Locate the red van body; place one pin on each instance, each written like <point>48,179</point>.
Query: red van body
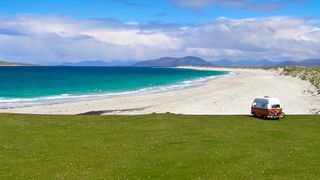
<point>267,108</point>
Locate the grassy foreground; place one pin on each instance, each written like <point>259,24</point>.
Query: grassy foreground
<point>158,146</point>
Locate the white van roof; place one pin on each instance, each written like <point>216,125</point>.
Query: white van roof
<point>267,100</point>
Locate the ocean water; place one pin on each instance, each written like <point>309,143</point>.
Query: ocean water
<point>24,86</point>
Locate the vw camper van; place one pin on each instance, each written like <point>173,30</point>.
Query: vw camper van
<point>267,108</point>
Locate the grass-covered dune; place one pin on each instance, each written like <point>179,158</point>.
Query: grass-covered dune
<point>311,74</point>
<point>158,146</point>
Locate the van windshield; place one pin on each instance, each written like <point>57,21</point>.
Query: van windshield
<point>274,106</point>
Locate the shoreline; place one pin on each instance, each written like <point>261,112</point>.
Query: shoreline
<point>219,96</point>
<point>15,103</point>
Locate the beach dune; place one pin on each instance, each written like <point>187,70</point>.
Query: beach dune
<point>224,95</point>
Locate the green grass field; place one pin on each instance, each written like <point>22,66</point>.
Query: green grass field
<point>161,146</point>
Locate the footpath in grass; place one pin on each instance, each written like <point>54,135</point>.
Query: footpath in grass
<point>158,146</point>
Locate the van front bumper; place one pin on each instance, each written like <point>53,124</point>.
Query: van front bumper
<point>275,116</point>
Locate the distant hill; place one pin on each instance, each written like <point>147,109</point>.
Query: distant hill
<point>307,63</point>
<point>245,63</point>
<point>99,63</point>
<point>192,61</point>
<point>174,62</point>
<point>5,63</point>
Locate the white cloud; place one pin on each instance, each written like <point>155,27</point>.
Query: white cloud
<point>135,37</point>
<point>40,39</point>
<point>256,38</point>
<point>56,38</point>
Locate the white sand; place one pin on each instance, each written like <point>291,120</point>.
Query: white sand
<point>225,95</point>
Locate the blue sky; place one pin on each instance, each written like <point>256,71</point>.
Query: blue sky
<point>40,31</point>
<point>168,11</point>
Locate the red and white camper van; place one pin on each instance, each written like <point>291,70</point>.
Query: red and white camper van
<point>267,108</point>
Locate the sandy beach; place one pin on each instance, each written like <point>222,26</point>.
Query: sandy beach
<point>224,95</point>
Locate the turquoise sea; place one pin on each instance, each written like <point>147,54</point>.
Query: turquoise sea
<point>29,84</point>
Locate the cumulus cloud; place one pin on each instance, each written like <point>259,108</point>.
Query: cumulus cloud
<point>57,38</point>
<point>262,38</point>
<point>41,39</point>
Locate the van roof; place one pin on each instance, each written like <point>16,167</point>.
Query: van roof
<point>267,100</point>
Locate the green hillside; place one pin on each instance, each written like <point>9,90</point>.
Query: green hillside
<point>158,146</point>
<point>4,63</point>
<point>311,74</point>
